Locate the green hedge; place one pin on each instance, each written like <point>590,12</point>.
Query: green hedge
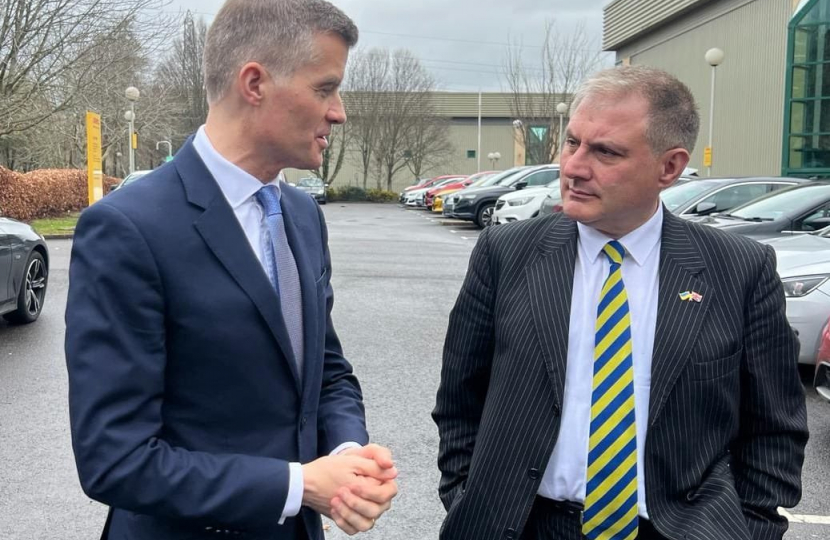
<point>358,194</point>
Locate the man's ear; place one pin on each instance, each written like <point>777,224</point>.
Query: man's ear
<point>250,81</point>
<point>674,161</point>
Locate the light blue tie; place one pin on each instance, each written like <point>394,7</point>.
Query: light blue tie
<point>282,269</point>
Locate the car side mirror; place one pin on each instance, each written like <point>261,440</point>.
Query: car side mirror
<point>705,208</point>
<point>521,185</point>
<point>326,185</point>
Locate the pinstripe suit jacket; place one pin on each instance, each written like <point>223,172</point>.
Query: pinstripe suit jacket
<point>727,418</point>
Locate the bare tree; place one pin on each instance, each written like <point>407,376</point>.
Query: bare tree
<point>565,61</point>
<point>335,153</point>
<point>181,73</point>
<point>428,145</point>
<point>406,105</point>
<point>45,44</point>
<point>365,83</point>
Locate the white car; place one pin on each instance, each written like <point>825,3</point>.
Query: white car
<point>804,267</point>
<point>522,204</point>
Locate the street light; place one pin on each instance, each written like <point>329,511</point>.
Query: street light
<point>132,94</point>
<point>493,157</point>
<point>561,109</point>
<point>169,149</point>
<point>714,57</point>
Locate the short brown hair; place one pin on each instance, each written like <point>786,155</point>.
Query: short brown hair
<point>278,34</point>
<point>673,119</point>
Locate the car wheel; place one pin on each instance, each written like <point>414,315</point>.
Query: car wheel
<point>32,292</point>
<point>484,217</point>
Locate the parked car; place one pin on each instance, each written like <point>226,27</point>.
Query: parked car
<point>130,178</point>
<point>417,197</point>
<point>449,202</point>
<point>478,204</point>
<point>444,192</point>
<point>24,272</point>
<point>799,209</point>
<point>315,187</point>
<point>804,268</point>
<point>707,196</point>
<point>459,184</point>
<point>552,203</point>
<point>423,184</point>
<point>521,205</point>
<point>822,377</point>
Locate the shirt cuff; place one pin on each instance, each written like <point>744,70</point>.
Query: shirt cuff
<point>295,492</point>
<point>345,446</point>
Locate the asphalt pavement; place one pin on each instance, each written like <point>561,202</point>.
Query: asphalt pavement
<point>396,274</point>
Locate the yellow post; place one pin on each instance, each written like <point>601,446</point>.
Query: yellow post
<point>95,174</point>
<point>707,156</point>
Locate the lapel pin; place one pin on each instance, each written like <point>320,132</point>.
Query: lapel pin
<point>691,296</point>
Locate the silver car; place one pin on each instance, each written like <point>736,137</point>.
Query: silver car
<point>804,267</point>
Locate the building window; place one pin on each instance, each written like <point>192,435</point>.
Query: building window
<point>806,149</point>
<point>471,154</point>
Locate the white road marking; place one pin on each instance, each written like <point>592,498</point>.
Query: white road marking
<point>464,238</point>
<point>453,231</point>
<point>800,518</point>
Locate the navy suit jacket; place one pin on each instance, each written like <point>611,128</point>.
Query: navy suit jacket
<point>185,402</point>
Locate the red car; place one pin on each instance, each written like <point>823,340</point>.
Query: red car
<point>461,184</point>
<point>822,381</point>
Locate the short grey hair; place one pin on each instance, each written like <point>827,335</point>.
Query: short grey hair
<point>279,34</point>
<point>673,118</point>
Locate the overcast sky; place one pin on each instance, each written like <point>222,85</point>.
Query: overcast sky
<point>462,42</point>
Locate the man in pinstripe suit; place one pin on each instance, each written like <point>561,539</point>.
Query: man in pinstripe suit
<point>614,372</point>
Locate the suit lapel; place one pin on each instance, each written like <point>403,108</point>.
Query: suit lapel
<point>678,321</point>
<point>224,236</point>
<point>550,280</point>
<point>298,233</point>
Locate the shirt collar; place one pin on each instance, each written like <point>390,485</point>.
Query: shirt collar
<point>237,185</point>
<point>639,243</point>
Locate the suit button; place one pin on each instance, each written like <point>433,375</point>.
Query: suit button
<point>510,534</point>
<point>533,473</point>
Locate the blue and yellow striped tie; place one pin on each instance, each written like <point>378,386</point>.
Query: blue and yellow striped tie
<point>611,491</point>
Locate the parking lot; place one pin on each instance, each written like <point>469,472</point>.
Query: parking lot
<point>396,275</point>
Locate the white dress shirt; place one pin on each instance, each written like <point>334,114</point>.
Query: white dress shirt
<point>239,189</point>
<point>565,475</point>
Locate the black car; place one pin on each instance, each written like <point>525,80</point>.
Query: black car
<point>477,204</point>
<point>313,186</point>
<point>24,272</point>
<point>713,195</point>
<point>799,209</point>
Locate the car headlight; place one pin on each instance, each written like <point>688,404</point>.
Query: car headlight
<point>520,202</point>
<point>467,197</point>
<point>321,192</point>
<point>796,287</point>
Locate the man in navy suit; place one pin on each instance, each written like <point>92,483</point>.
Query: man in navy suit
<point>208,390</point>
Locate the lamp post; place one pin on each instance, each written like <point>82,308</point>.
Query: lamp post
<point>494,157</point>
<point>132,94</point>
<point>561,109</point>
<point>169,149</point>
<point>714,57</point>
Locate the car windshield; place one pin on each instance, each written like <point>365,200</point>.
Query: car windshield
<point>481,180</point>
<point>512,178</point>
<point>310,182</point>
<point>678,195</point>
<point>782,203</point>
<point>498,177</point>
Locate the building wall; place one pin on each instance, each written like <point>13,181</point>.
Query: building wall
<point>749,98</point>
<point>626,18</point>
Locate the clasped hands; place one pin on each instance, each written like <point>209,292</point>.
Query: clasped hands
<point>354,487</point>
